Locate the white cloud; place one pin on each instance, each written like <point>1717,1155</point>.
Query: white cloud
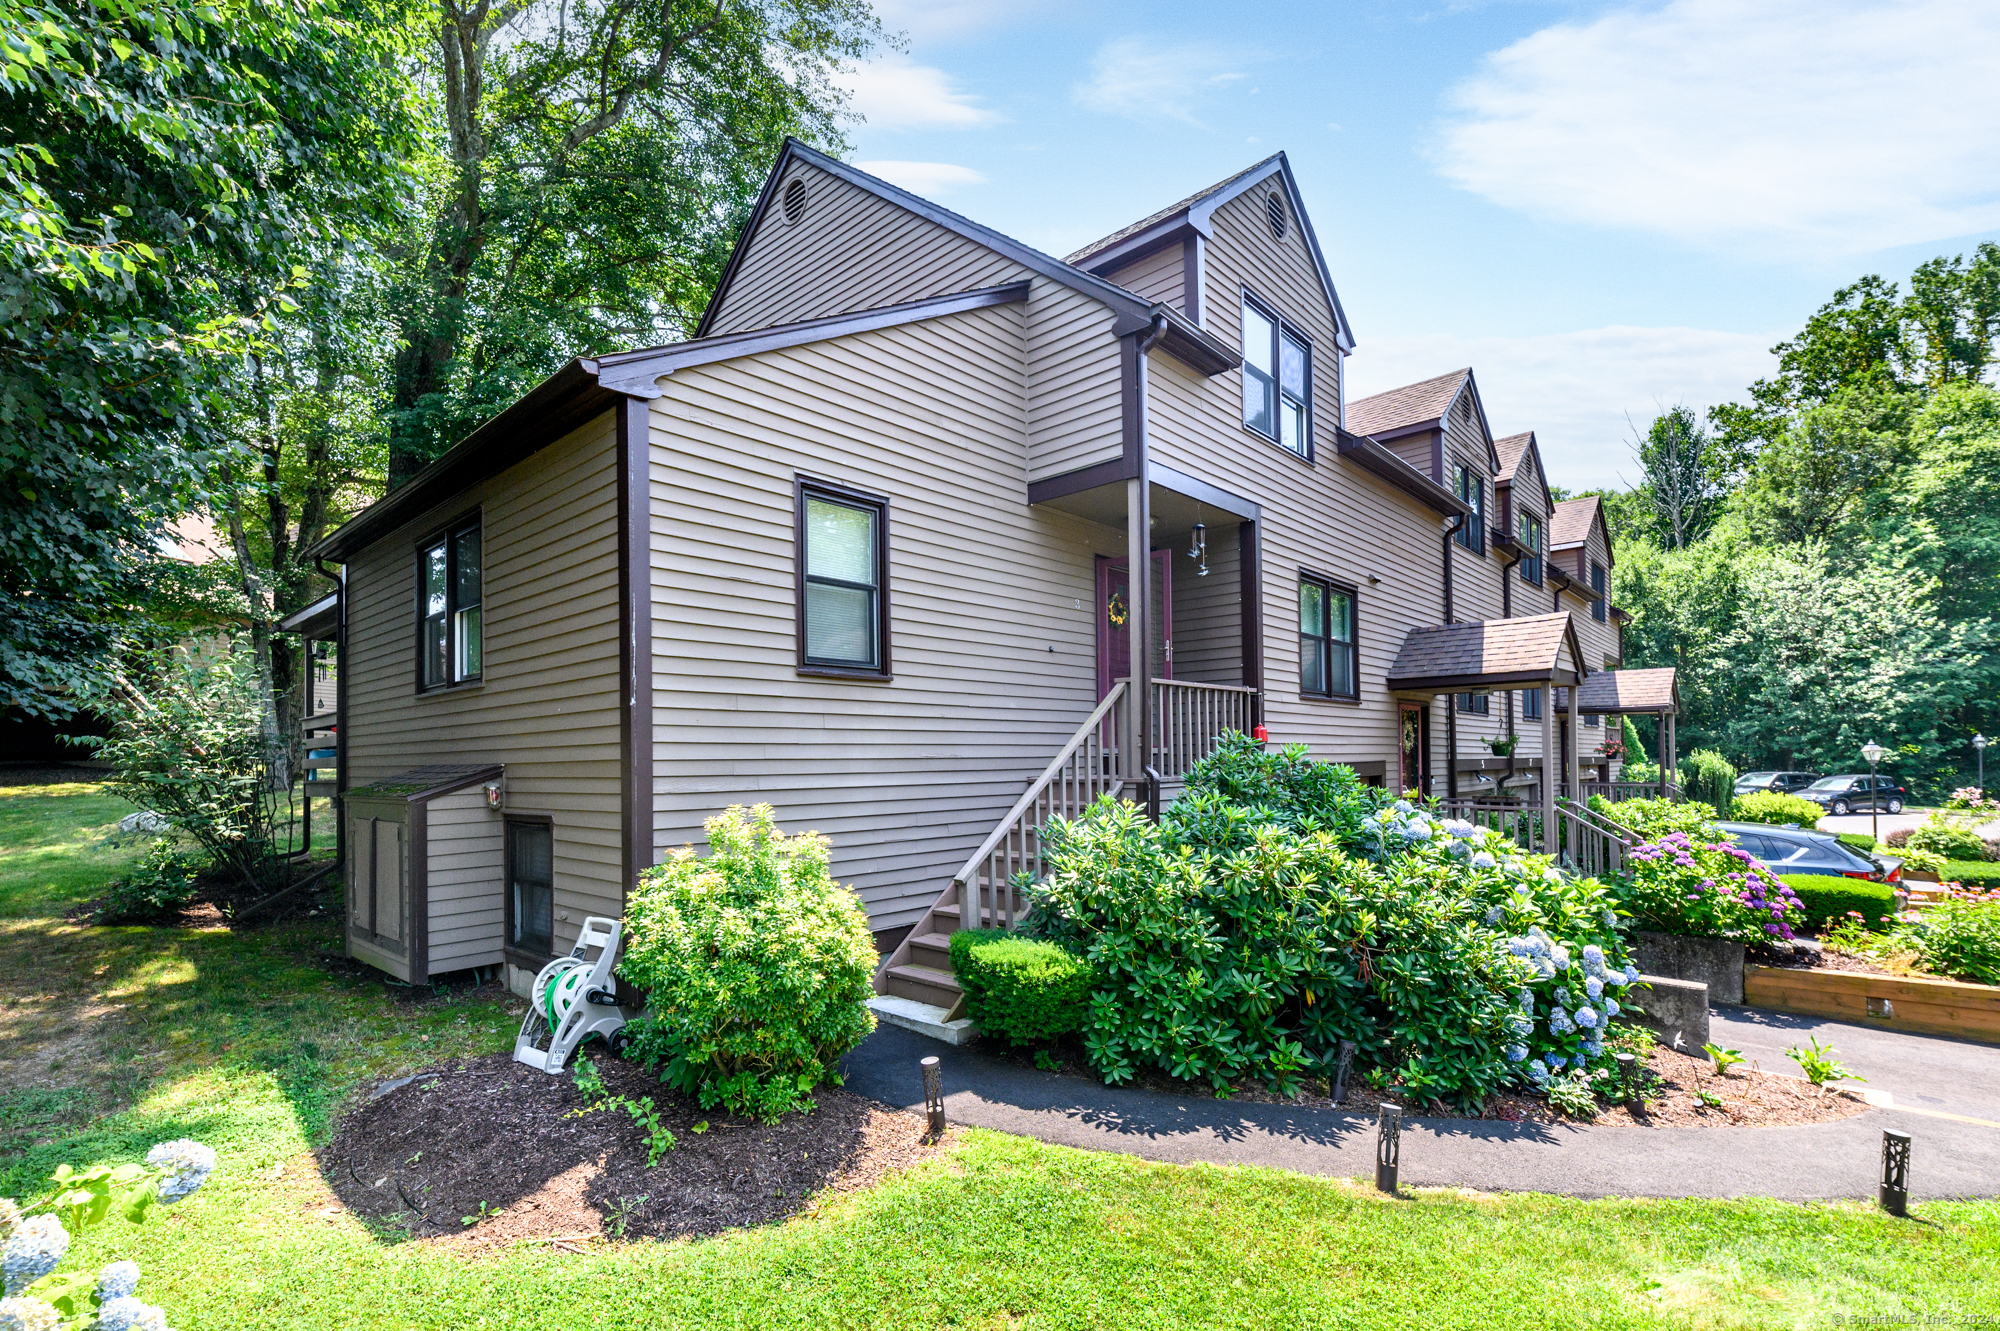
<point>1575,390</point>
<point>932,19</point>
<point>1816,128</point>
<point>1144,78</point>
<point>894,92</point>
<point>926,178</point>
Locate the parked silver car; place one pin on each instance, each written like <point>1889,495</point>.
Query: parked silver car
<point>1803,850</point>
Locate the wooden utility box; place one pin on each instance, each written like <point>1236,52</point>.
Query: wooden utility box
<point>425,868</point>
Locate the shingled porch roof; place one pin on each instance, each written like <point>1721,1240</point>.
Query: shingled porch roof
<point>1488,655</point>
<point>1612,692</point>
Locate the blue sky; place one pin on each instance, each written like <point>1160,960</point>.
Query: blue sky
<point>1601,208</point>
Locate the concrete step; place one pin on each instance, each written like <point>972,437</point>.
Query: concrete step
<point>923,1018</point>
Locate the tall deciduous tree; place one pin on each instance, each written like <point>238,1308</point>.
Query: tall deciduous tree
<point>162,167</point>
<point>598,155</point>
<point>1685,477</point>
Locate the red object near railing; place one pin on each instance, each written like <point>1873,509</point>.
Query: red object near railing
<point>1260,734</point>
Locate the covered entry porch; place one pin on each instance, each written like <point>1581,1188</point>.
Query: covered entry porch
<point>1651,692</point>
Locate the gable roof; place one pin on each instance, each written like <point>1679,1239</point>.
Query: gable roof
<point>1569,526</point>
<point>1511,451</point>
<point>1655,689</point>
<point>1197,212</point>
<point>1447,657</point>
<point>1422,403</point>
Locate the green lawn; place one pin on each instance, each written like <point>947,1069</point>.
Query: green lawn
<point>252,1041</point>
<point>59,846</point>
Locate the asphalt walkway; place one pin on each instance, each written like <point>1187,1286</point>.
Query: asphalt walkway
<point>1832,1160</point>
<point>1926,1072</point>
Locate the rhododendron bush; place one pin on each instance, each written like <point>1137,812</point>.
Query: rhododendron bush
<point>1282,907</point>
<point>1708,889</point>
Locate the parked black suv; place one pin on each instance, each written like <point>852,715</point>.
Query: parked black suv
<point>1785,783</point>
<point>1846,794</point>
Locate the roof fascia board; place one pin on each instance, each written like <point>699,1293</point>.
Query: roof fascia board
<point>1477,683</point>
<point>1161,235</point>
<point>323,607</point>
<point>637,373</point>
<point>1167,478</point>
<point>743,240</point>
<point>1371,456</point>
<point>1195,347</point>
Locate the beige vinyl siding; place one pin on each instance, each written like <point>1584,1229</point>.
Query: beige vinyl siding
<point>548,704</point>
<point>1075,407</point>
<point>1327,516</point>
<point>463,851</point>
<point>1208,618</point>
<point>993,633</point>
<point>1159,277</point>
<point>1420,451</point>
<point>853,250</point>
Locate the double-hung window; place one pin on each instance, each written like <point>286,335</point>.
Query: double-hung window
<point>843,581</point>
<point>449,619</point>
<point>1277,380</point>
<point>1531,704</point>
<point>1599,606</point>
<point>1326,640</point>
<point>1475,703</point>
<point>531,886</point>
<point>1528,531</point>
<point>1470,486</point>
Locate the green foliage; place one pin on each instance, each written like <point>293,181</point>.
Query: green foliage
<point>1724,1059</point>
<point>756,964</point>
<point>190,743</point>
<point>1941,836</point>
<point>1817,1061</point>
<point>1686,477</point>
<point>1283,786</point>
<point>1770,806</point>
<point>1240,942</point>
<point>1960,939</point>
<point>1019,989</point>
<point>159,884</point>
<point>1575,1094</point>
<point>1655,818</point>
<point>1707,889</point>
<point>1860,841</point>
<point>1708,778</point>
<point>1826,898</point>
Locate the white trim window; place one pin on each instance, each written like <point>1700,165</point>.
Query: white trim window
<point>1277,379</point>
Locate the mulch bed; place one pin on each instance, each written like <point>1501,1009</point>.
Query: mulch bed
<point>1751,1098</point>
<point>492,1138</point>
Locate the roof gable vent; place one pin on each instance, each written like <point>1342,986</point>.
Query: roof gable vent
<point>1274,210</point>
<point>795,200</point>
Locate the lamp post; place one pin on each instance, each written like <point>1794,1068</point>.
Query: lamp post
<point>1979,747</point>
<point>1873,753</point>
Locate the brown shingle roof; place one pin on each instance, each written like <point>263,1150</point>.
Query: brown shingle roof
<point>1453,654</point>
<point>1411,404</point>
<point>1629,691</point>
<point>1571,524</point>
<point>1162,215</point>
<point>1511,450</point>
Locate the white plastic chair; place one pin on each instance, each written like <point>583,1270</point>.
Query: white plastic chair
<point>574,998</point>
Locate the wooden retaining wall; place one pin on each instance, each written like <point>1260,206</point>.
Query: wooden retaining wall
<point>1898,1002</point>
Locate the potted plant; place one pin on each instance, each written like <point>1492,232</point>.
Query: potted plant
<point>1503,745</point>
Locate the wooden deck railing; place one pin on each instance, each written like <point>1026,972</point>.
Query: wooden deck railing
<point>1086,768</point>
<point>1587,842</point>
<point>1632,790</point>
<point>1189,719</point>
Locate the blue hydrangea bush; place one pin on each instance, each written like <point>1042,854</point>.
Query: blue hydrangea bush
<point>1282,907</point>
<point>35,1238</point>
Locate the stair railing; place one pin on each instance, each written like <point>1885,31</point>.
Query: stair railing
<point>1086,768</point>
<point>1189,719</point>
<point>1591,843</point>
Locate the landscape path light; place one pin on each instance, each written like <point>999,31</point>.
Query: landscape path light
<point>1979,747</point>
<point>1340,1071</point>
<point>1626,1081</point>
<point>934,1095</point>
<point>1894,1192</point>
<point>1873,753</point>
<point>1388,1146</point>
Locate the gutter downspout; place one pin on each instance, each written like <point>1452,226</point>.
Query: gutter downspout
<point>339,581</point>
<point>1507,612</point>
<point>1139,575</point>
<point>1451,702</point>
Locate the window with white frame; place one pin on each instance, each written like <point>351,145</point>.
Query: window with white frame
<point>1277,379</point>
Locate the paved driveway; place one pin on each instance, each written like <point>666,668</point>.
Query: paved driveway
<point>1861,822</point>
<point>1920,1071</point>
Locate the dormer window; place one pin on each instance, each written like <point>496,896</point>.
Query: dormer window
<point>1470,486</point>
<point>1528,531</point>
<point>1277,379</point>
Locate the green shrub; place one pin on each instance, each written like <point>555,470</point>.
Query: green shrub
<point>1707,889</point>
<point>1959,939</point>
<point>1981,872</point>
<point>1020,989</point>
<point>1827,899</point>
<point>1769,806</point>
<point>1860,841</point>
<point>1654,818</point>
<point>162,882</point>
<point>1286,787</point>
<point>1709,777</point>
<point>1948,839</point>
<point>757,967</point>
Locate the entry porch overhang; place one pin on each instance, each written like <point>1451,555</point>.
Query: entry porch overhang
<point>1486,656</point>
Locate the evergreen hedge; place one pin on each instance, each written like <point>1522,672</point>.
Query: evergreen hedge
<point>1018,989</point>
<point>1827,898</point>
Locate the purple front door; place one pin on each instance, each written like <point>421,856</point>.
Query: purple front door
<point>1114,611</point>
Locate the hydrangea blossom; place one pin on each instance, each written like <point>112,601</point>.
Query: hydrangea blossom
<point>33,1250</point>
<point>1594,987</point>
<point>31,1315</point>
<point>1609,919</point>
<point>1526,998</point>
<point>1586,1018</point>
<point>1554,1060</point>
<point>1611,1008</point>
<point>1483,860</point>
<point>129,1314</point>
<point>1559,1023</point>
<point>187,1164</point>
<point>1560,956</point>
<point>1578,1060</point>
<point>117,1281</point>
<point>1516,1053</point>
<point>1492,915</point>
<point>1552,874</point>
<point>1631,973</point>
<point>1562,994</point>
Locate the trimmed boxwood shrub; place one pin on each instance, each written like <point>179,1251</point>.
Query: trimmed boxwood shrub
<point>1827,898</point>
<point>1775,808</point>
<point>1960,939</point>
<point>757,967</point>
<point>1017,989</point>
<point>1970,871</point>
<point>1860,841</point>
